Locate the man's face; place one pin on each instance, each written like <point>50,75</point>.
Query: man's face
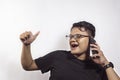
<point>78,45</point>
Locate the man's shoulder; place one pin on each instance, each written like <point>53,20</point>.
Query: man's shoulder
<point>59,53</point>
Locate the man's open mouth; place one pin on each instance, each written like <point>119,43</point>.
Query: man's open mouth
<point>74,45</point>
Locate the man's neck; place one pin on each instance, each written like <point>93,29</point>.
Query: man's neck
<point>81,56</point>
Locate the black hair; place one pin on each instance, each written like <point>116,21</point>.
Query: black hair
<point>88,26</point>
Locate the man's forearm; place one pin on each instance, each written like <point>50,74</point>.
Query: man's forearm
<point>111,74</point>
<point>26,58</point>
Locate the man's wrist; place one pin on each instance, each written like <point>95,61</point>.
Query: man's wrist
<point>26,44</point>
<point>105,63</point>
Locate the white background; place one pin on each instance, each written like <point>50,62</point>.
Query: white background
<point>53,18</point>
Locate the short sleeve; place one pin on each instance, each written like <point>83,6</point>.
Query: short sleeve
<point>45,63</point>
<point>104,75</point>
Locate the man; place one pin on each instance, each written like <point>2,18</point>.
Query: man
<point>76,64</point>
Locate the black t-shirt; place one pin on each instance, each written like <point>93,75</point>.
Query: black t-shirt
<point>64,66</point>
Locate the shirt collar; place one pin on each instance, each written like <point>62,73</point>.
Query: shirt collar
<point>71,56</point>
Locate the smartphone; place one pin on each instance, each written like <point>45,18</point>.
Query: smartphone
<point>92,41</point>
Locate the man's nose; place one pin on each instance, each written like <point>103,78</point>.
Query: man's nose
<point>72,39</point>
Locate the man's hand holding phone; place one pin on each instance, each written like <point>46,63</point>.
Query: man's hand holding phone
<point>97,55</point>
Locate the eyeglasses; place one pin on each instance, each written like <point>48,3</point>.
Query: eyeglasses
<point>76,36</point>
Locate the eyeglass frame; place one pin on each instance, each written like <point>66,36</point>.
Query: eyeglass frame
<point>76,36</point>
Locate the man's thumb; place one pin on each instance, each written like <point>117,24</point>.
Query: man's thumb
<point>37,33</point>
